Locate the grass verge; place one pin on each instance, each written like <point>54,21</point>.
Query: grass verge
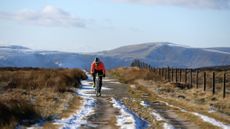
<point>149,87</point>
<point>29,95</point>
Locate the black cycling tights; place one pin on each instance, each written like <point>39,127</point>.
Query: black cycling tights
<point>100,77</point>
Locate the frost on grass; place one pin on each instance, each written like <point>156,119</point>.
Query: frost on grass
<point>128,119</point>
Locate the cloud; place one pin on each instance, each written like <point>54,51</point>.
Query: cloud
<point>48,16</point>
<point>211,4</point>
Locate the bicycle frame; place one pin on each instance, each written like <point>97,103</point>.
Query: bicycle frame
<point>97,84</point>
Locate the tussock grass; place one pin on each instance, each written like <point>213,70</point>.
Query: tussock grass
<point>40,78</point>
<point>129,75</point>
<point>178,94</point>
<point>31,94</point>
<point>73,106</point>
<point>17,110</point>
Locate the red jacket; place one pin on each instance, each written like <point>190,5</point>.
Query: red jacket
<point>100,66</point>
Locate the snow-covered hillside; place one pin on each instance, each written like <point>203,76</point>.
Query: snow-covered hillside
<point>157,54</point>
<point>170,54</point>
<point>17,56</point>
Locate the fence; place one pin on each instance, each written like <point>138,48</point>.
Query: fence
<point>208,79</point>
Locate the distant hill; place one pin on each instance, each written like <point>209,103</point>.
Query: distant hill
<point>170,54</point>
<point>16,56</point>
<point>157,54</point>
<point>224,49</point>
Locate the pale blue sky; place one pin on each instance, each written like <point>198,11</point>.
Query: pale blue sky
<point>94,25</point>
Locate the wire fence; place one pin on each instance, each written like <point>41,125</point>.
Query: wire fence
<point>215,80</point>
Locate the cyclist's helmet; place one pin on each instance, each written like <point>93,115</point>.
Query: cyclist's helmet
<point>97,60</point>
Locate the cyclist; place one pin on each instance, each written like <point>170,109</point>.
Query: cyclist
<point>97,67</point>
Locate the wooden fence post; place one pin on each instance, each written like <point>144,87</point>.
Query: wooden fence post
<point>224,89</point>
<point>162,73</point>
<point>185,76</point>
<point>197,79</point>
<point>172,74</point>
<point>213,83</point>
<point>165,74</point>
<point>168,74</point>
<point>180,75</point>
<point>204,81</point>
<point>176,75</point>
<point>191,77</point>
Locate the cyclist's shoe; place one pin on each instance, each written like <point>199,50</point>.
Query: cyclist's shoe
<point>99,94</point>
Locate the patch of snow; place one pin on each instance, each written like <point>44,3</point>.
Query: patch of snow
<point>178,45</point>
<point>166,124</point>
<point>90,78</point>
<point>211,111</point>
<point>215,51</point>
<point>79,118</point>
<point>58,63</point>
<point>145,104</point>
<point>212,121</point>
<point>109,80</point>
<point>105,88</point>
<point>115,82</point>
<point>12,47</point>
<point>133,86</point>
<point>157,116</point>
<point>128,119</point>
<point>203,117</point>
<point>85,83</point>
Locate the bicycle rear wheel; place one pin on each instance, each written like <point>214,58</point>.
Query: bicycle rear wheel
<point>97,86</point>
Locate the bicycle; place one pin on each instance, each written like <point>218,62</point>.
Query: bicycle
<point>98,86</point>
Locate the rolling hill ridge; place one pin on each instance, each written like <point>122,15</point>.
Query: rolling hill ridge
<point>159,54</point>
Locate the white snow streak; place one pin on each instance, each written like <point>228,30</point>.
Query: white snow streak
<point>79,118</point>
<point>212,121</point>
<point>127,119</point>
<point>203,117</point>
<point>166,124</point>
<point>158,117</point>
<point>144,104</point>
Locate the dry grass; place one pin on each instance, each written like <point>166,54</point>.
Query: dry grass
<point>40,78</point>
<point>31,94</point>
<point>197,120</point>
<point>73,106</point>
<point>177,94</point>
<point>129,75</point>
<point>133,103</point>
<point>50,126</point>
